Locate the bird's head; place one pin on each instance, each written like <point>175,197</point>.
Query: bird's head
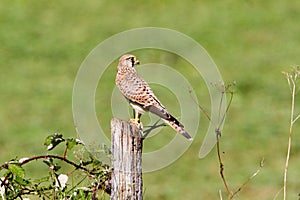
<point>128,60</point>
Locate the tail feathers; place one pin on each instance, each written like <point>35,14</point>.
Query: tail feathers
<point>179,128</point>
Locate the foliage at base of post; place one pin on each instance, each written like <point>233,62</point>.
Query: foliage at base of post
<point>83,177</point>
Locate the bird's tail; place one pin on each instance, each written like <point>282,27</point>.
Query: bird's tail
<point>177,126</point>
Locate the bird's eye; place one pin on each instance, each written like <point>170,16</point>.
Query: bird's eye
<point>133,59</point>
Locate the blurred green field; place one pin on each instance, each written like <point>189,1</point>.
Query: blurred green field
<point>43,44</point>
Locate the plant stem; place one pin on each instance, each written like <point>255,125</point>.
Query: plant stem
<point>222,165</point>
<point>293,91</point>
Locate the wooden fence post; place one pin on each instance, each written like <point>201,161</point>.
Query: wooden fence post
<point>126,148</point>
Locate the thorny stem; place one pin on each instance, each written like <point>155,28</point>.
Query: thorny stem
<point>225,89</point>
<point>19,189</point>
<point>221,164</point>
<point>5,166</point>
<point>56,157</point>
<point>65,153</point>
<point>46,157</point>
<point>218,135</point>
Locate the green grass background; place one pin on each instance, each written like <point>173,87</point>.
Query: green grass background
<point>43,44</point>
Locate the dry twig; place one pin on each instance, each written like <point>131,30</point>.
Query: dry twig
<point>292,78</point>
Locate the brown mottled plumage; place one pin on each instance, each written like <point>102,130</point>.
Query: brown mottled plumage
<point>140,95</point>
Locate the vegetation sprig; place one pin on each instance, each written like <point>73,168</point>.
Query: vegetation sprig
<point>87,177</point>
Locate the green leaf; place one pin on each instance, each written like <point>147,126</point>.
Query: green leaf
<point>85,163</point>
<point>56,167</point>
<point>48,162</point>
<point>53,140</point>
<point>17,170</point>
<point>42,180</point>
<point>22,181</point>
<point>71,143</point>
<point>47,141</point>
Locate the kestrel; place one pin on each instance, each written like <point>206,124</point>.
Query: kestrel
<point>140,96</point>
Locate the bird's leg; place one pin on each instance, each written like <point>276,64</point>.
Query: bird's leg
<point>136,119</point>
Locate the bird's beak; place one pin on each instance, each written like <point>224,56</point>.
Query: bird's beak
<point>136,62</point>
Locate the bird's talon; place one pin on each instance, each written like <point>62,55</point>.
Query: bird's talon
<point>133,121</point>
<point>139,124</point>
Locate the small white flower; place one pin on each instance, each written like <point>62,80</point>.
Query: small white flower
<point>2,189</point>
<point>84,188</point>
<point>79,141</point>
<point>50,146</point>
<point>61,181</point>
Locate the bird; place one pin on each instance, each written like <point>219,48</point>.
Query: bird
<point>140,96</point>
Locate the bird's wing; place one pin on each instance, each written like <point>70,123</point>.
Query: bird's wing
<point>138,91</point>
<point>153,105</point>
<point>142,95</point>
